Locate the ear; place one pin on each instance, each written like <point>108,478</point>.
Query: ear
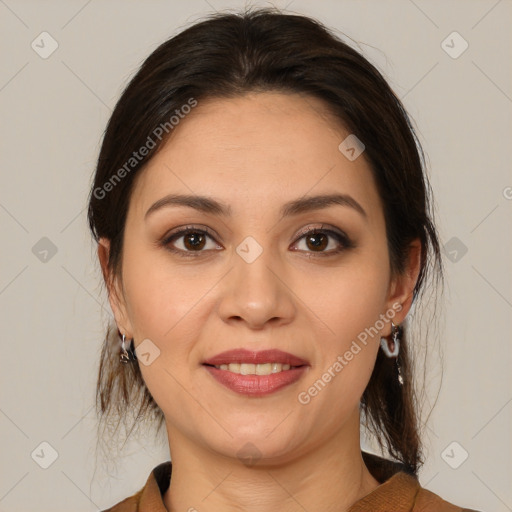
<point>114,290</point>
<point>402,286</point>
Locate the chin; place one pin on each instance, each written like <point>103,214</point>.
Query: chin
<point>260,449</point>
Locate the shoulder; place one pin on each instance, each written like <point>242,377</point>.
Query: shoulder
<point>130,504</point>
<point>401,489</point>
<point>149,498</point>
<point>427,501</point>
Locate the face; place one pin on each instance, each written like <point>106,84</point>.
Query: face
<point>252,278</point>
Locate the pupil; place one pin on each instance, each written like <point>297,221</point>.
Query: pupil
<point>318,244</point>
<point>194,244</point>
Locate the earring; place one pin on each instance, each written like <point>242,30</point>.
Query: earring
<point>127,356</point>
<point>394,349</point>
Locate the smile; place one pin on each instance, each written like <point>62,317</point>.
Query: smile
<point>254,369</point>
<point>256,373</point>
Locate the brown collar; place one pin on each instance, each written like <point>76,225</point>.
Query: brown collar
<point>397,491</point>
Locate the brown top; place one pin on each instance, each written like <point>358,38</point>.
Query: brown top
<point>399,492</point>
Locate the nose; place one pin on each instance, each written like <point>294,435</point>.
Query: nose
<point>256,292</point>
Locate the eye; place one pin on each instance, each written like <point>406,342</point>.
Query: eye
<point>317,240</point>
<point>194,240</point>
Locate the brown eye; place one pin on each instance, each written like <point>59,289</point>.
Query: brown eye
<point>189,242</point>
<point>317,241</point>
<point>194,241</point>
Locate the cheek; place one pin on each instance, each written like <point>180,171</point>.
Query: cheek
<point>350,306</point>
<point>163,306</point>
<point>348,299</point>
<point>158,295</point>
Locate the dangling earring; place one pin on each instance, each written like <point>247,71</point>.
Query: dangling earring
<point>394,350</point>
<point>127,356</point>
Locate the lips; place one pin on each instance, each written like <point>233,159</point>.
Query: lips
<point>257,385</point>
<point>255,357</point>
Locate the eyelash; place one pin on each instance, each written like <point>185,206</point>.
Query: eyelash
<point>341,238</point>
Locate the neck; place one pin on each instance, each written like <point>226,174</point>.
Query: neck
<point>330,477</point>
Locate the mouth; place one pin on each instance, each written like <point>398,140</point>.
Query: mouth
<point>256,373</point>
<point>254,369</point>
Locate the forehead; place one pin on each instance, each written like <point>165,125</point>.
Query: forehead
<point>259,149</point>
<point>269,124</point>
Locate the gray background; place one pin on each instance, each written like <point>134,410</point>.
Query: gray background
<point>54,309</point>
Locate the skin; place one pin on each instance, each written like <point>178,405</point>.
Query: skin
<point>254,153</point>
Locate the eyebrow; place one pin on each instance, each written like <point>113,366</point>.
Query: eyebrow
<point>295,207</point>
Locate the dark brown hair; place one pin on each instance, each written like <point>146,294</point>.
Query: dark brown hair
<point>229,55</point>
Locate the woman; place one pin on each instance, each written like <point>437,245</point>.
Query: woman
<point>264,227</point>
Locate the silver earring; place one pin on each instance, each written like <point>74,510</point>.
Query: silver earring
<point>127,356</point>
<point>394,350</point>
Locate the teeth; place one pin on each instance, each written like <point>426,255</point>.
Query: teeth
<point>254,369</point>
